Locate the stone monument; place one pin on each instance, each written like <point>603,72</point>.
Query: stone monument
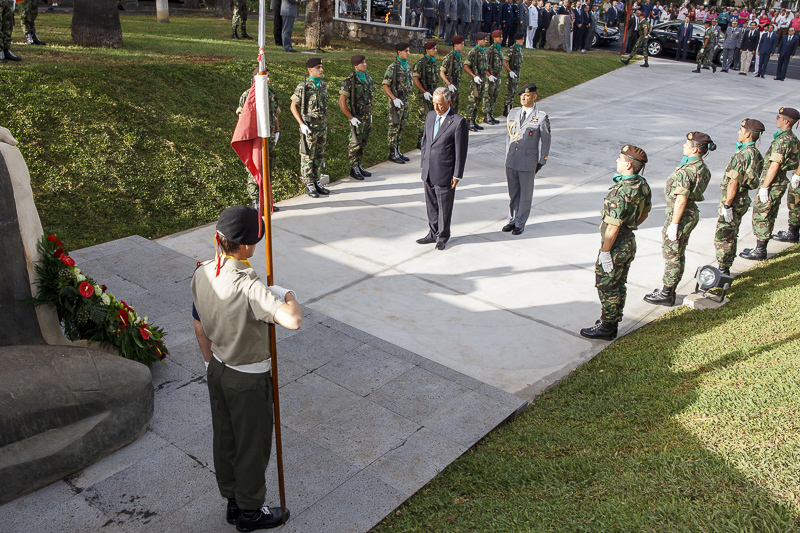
<point>559,34</point>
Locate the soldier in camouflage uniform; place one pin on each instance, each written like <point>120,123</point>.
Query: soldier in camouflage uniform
<point>397,86</point>
<point>6,27</point>
<point>310,109</point>
<point>706,53</point>
<point>240,19</point>
<point>29,9</point>
<point>781,157</point>
<point>741,176</point>
<point>793,203</point>
<point>684,188</point>
<point>625,208</point>
<point>641,42</point>
<point>424,78</point>
<point>494,64</point>
<point>355,101</point>
<point>512,63</point>
<point>451,69</point>
<point>476,67</point>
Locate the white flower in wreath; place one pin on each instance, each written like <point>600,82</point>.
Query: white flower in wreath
<point>105,299</point>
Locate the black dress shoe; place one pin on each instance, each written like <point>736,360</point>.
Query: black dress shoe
<point>508,227</point>
<point>252,520</point>
<point>517,231</point>
<point>312,191</point>
<point>356,173</point>
<point>402,155</point>
<point>664,296</point>
<point>441,245</point>
<point>320,189</point>
<point>275,208</point>
<point>364,172</point>
<point>394,158</point>
<point>232,513</point>
<point>427,239</point>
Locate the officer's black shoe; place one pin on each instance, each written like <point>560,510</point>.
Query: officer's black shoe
<point>233,511</point>
<point>394,158</point>
<point>697,70</point>
<point>713,69</point>
<point>472,126</point>
<point>364,172</point>
<point>725,270</point>
<point>11,56</point>
<point>793,235</point>
<point>759,253</point>
<point>441,245</point>
<point>356,173</point>
<point>38,41</point>
<point>245,36</point>
<point>601,330</point>
<point>312,191</point>
<point>664,296</point>
<point>320,189</point>
<point>402,155</point>
<point>427,239</point>
<point>480,128</point>
<point>264,518</point>
<point>29,38</point>
<point>517,231</point>
<point>235,35</point>
<point>508,227</point>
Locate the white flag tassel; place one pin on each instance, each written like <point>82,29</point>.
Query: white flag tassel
<point>262,107</point>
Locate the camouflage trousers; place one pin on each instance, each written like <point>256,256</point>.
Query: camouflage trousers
<point>240,15</point>
<point>252,186</point>
<point>397,121</point>
<point>702,58</point>
<point>312,154</point>
<point>477,94</point>
<point>674,252</point>
<point>422,113</point>
<point>640,47</point>
<point>492,92</point>
<point>29,10</point>
<point>359,135</point>
<point>512,88</point>
<point>793,203</point>
<point>6,21</point>
<point>728,232</point>
<point>611,286</point>
<point>454,98</point>
<point>764,214</point>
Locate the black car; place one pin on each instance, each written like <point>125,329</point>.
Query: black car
<point>604,34</point>
<point>663,40</point>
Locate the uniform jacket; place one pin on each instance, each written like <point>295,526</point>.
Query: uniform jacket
<point>497,13</point>
<point>625,204</point>
<point>744,167</point>
<point>288,8</point>
<point>524,17</point>
<point>464,11</point>
<point>733,38</point>
<point>783,150</point>
<point>486,14</point>
<point>524,153</point>
<point>788,45</point>
<point>533,17</point>
<point>507,15</point>
<point>750,40</point>
<point>477,11</point>
<point>689,180</point>
<point>441,7</point>
<point>451,9</point>
<point>768,42</point>
<point>443,158</point>
<point>429,8</point>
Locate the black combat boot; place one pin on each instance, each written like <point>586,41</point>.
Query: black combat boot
<point>480,128</point>
<point>356,173</point>
<point>394,158</point>
<point>697,70</point>
<point>664,296</point>
<point>494,120</point>
<point>402,155</point>
<point>38,41</point>
<point>506,110</point>
<point>487,119</point>
<point>244,35</point>
<point>29,38</point>
<point>601,330</point>
<point>725,270</point>
<point>235,34</point>
<point>472,126</point>
<point>626,61</point>
<point>311,190</point>
<point>759,253</point>
<point>10,56</point>
<point>792,235</point>
<point>232,513</point>
<point>321,189</point>
<point>645,64</point>
<point>364,172</point>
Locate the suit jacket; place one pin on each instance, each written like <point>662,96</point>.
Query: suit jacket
<point>768,42</point>
<point>523,154</point>
<point>612,16</point>
<point>578,19</point>
<point>750,40</point>
<point>733,38</point>
<point>682,29</point>
<point>544,19</point>
<point>497,14</point>
<point>487,12</point>
<point>477,12</point>
<point>788,45</point>
<point>289,8</point>
<point>444,157</point>
<point>508,17</point>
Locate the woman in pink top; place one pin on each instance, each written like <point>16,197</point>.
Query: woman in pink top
<point>796,22</point>
<point>744,17</point>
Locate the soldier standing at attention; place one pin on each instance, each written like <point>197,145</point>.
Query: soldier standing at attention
<point>424,78</point>
<point>475,66</point>
<point>781,157</point>
<point>397,86</point>
<point>684,188</point>
<point>29,12</point>
<point>355,101</point>
<point>512,63</point>
<point>741,176</point>
<point>706,53</point>
<point>625,209</point>
<point>641,42</point>
<point>793,202</point>
<point>240,19</point>
<point>6,28</point>
<point>450,71</point>
<point>494,64</point>
<point>310,109</point>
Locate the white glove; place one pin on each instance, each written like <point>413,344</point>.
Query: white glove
<point>763,195</point>
<point>701,50</point>
<point>795,181</point>
<point>397,103</point>
<point>355,122</point>
<point>606,262</point>
<point>477,79</point>
<point>451,88</point>
<point>280,292</point>
<point>727,213</point>
<point>492,79</point>
<point>672,232</point>
<point>305,130</point>
<point>427,96</point>
<point>512,74</point>
<point>277,134</point>
<point>206,365</point>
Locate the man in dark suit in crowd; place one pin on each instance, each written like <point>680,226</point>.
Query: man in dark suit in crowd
<point>497,15</point>
<point>508,21</point>
<point>277,25</point>
<point>748,47</point>
<point>684,38</point>
<point>786,51</point>
<point>544,22</point>
<point>633,31</point>
<point>444,154</point>
<point>612,15</point>
<point>766,48</point>
<point>486,13</point>
<point>578,28</point>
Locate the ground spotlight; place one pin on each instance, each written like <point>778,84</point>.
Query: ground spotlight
<point>708,278</point>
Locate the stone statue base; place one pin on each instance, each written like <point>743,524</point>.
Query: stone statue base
<point>559,34</point>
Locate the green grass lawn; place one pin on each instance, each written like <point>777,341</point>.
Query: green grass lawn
<point>137,140</point>
<point>687,424</point>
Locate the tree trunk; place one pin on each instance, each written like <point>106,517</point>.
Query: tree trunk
<point>95,23</point>
<point>224,9</point>
<point>319,31</point>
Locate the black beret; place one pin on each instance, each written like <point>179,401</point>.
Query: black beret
<point>480,36</point>
<point>699,137</point>
<point>527,88</point>
<point>357,59</point>
<point>240,224</point>
<point>518,36</point>
<point>457,39</point>
<point>401,46</point>
<point>753,125</point>
<point>634,152</point>
<point>313,62</point>
<point>430,45</point>
<point>790,112</point>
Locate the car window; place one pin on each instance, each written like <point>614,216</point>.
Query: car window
<point>669,28</point>
<point>698,31</point>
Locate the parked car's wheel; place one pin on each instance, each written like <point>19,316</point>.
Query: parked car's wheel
<point>655,48</point>
<point>595,41</point>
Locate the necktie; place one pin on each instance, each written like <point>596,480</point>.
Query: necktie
<point>436,126</point>
<point>522,120</point>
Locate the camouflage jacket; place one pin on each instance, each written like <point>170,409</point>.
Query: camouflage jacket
<point>709,34</point>
<point>398,79</point>
<point>313,102</point>
<point>514,57</point>
<point>476,59</point>
<point>494,60</point>
<point>689,180</point>
<point>274,108</point>
<point>644,28</point>
<point>784,151</point>
<point>359,95</point>
<point>452,66</point>
<point>745,167</point>
<point>426,70</point>
<point>625,204</point>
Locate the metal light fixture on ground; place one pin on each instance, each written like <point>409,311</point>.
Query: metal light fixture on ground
<point>708,278</point>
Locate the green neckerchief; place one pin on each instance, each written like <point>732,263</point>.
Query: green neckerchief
<point>619,177</point>
<point>481,48</point>
<point>777,133</point>
<point>315,81</point>
<point>740,145</point>
<point>361,76</point>
<point>497,45</point>
<point>458,55</point>
<point>432,59</point>
<point>685,159</point>
<point>403,62</point>
<point>519,48</point>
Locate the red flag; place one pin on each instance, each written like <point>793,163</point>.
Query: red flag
<point>247,144</point>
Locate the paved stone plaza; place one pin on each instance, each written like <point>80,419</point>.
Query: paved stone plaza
<point>408,355</point>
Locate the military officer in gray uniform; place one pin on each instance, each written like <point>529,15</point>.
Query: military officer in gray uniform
<point>477,19</point>
<point>528,127</point>
<point>451,13</point>
<point>429,17</point>
<point>464,17</point>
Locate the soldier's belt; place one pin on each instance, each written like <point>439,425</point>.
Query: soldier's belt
<point>314,120</point>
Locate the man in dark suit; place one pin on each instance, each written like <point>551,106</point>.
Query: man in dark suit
<point>578,28</point>
<point>766,48</point>
<point>612,16</point>
<point>497,15</point>
<point>486,13</point>
<point>684,38</point>
<point>786,51</point>
<point>748,47</point>
<point>444,153</point>
<point>545,15</point>
<point>633,31</point>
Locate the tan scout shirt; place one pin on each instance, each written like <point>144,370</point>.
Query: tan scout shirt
<point>234,309</point>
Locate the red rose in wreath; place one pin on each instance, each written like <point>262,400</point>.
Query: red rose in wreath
<point>59,252</point>
<point>86,289</point>
<point>67,260</point>
<point>54,239</point>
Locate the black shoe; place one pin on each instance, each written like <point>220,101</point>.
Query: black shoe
<point>38,41</point>
<point>494,120</point>
<point>723,70</point>
<point>625,61</point>
<point>235,35</point>
<point>245,36</point>
<point>11,56</point>
<point>480,128</point>
<point>312,191</point>
<point>697,70</point>
<point>508,227</point>
<point>645,65</point>
<point>264,518</point>
<point>364,172</point>
<point>402,155</point>
<point>725,270</point>
<point>472,126</point>
<point>427,239</point>
<point>419,144</point>
<point>517,231</point>
<point>120,7</point>
<point>601,330</point>
<point>290,50</point>
<point>29,38</point>
<point>506,110</point>
<point>356,173</point>
<point>759,253</point>
<point>664,296</point>
<point>441,245</point>
<point>394,158</point>
<point>487,119</point>
<point>320,189</point>
<point>275,208</point>
<point>233,511</point>
<point>713,69</point>
<point>792,235</point>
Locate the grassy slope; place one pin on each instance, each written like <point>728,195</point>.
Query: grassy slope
<point>688,424</point>
<point>136,140</point>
